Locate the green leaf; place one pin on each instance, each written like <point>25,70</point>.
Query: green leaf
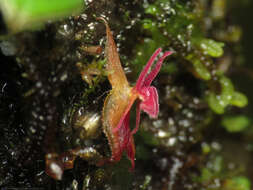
<point>211,47</point>
<point>152,9</point>
<point>215,104</point>
<point>201,70</point>
<point>147,24</point>
<point>206,175</point>
<point>227,90</point>
<point>29,14</point>
<point>235,123</point>
<point>199,67</point>
<point>237,183</point>
<point>239,99</point>
<point>218,102</point>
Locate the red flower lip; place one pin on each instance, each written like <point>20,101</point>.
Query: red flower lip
<point>147,94</point>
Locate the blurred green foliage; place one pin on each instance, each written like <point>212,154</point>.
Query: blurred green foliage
<point>236,123</point>
<point>237,183</point>
<point>211,47</point>
<point>215,176</point>
<point>227,96</point>
<point>29,14</point>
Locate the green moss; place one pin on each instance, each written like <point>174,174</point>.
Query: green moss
<point>239,99</point>
<point>237,183</point>
<point>211,47</point>
<point>184,28</point>
<point>205,148</point>
<point>216,171</point>
<point>235,123</point>
<point>96,80</point>
<point>146,182</point>
<point>200,69</point>
<point>227,91</point>
<point>212,171</point>
<point>152,9</point>
<point>215,104</point>
<point>227,96</point>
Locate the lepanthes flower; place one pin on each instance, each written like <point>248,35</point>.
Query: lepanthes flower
<point>117,105</point>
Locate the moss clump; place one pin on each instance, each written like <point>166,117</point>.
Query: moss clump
<point>227,96</point>
<point>236,123</point>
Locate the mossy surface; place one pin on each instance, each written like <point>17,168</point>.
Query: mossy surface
<point>202,138</point>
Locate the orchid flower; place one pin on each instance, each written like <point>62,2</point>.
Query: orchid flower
<point>117,105</point>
